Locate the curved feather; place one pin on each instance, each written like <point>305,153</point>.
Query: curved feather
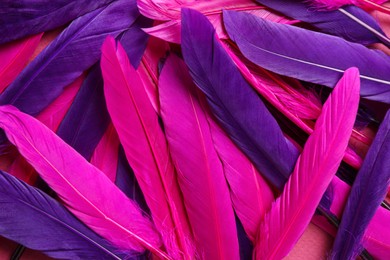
<point>367,193</point>
<point>283,49</point>
<point>200,172</point>
<point>315,168</point>
<point>60,62</point>
<point>14,56</point>
<point>349,22</point>
<point>235,104</point>
<point>145,146</point>
<point>107,212</point>
<point>32,218</point>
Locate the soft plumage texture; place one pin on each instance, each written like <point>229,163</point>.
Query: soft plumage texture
<point>315,168</point>
<point>87,118</point>
<point>145,146</point>
<point>335,4</point>
<point>235,104</point>
<point>60,64</point>
<point>283,49</point>
<point>349,22</point>
<point>368,191</point>
<point>27,17</point>
<point>107,212</point>
<point>14,56</point>
<point>200,172</point>
<point>30,217</point>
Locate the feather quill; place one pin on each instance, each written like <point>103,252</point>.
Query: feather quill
<point>315,168</point>
<point>200,172</point>
<point>107,212</point>
<point>32,218</point>
<point>236,105</point>
<point>60,62</point>
<point>349,22</point>
<point>368,191</point>
<point>14,56</point>
<point>145,146</point>
<point>272,49</point>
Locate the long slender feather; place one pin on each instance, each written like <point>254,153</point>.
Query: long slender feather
<point>316,166</point>
<point>200,172</point>
<point>145,146</point>
<point>76,181</point>
<point>284,50</point>
<point>349,22</point>
<point>29,17</point>
<point>60,62</point>
<point>32,218</point>
<point>14,56</point>
<point>368,191</point>
<point>236,105</point>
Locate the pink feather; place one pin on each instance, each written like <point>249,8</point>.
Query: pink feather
<point>14,56</point>
<point>200,172</point>
<point>145,147</point>
<point>84,189</point>
<point>314,170</point>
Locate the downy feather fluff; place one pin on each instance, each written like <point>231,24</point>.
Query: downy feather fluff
<point>107,212</point>
<point>235,104</point>
<point>315,168</point>
<point>37,221</point>
<point>283,49</point>
<point>145,146</point>
<point>200,172</point>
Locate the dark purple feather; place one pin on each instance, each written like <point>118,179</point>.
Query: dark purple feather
<point>75,50</point>
<point>349,22</point>
<point>33,219</point>
<point>367,193</point>
<point>235,104</point>
<point>27,17</point>
<point>87,118</point>
<point>308,55</point>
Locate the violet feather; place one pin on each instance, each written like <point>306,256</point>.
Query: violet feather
<point>235,104</point>
<point>32,218</point>
<point>367,193</point>
<point>306,55</point>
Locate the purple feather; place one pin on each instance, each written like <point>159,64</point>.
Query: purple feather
<point>349,22</point>
<point>23,18</point>
<point>367,193</point>
<point>30,217</point>
<point>235,104</point>
<point>75,50</point>
<point>308,55</point>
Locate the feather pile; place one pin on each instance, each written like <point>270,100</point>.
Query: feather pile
<point>182,129</point>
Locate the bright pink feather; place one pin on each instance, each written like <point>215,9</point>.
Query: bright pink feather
<point>200,173</point>
<point>14,56</point>
<point>145,146</point>
<point>84,189</point>
<point>314,170</point>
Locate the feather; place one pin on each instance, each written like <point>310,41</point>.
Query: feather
<point>32,218</point>
<point>315,168</point>
<point>14,56</point>
<point>335,4</point>
<point>29,17</point>
<point>236,105</point>
<point>273,44</point>
<point>205,193</point>
<point>145,146</point>
<point>349,22</point>
<point>87,119</point>
<point>368,191</point>
<point>107,212</point>
<point>60,62</point>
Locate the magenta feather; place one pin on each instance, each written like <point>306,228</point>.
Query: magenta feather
<point>314,170</point>
<point>107,212</point>
<point>145,146</point>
